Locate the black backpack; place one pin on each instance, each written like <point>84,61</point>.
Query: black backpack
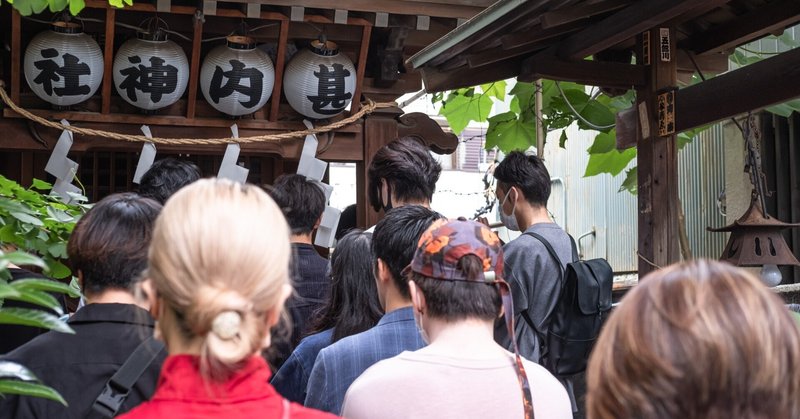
<point>579,314</point>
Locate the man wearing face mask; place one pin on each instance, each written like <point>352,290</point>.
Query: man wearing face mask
<point>523,188</point>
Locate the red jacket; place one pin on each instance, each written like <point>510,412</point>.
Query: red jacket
<point>182,393</point>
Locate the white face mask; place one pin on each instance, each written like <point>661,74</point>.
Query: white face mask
<point>510,221</point>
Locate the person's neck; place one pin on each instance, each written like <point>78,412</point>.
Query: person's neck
<point>114,296</point>
<point>533,215</point>
<point>301,238</point>
<point>394,300</point>
<point>473,338</point>
<point>400,203</point>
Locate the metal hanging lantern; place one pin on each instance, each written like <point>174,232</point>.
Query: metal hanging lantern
<point>319,82</point>
<point>237,78</point>
<point>150,71</point>
<point>63,66</point>
<point>756,238</point>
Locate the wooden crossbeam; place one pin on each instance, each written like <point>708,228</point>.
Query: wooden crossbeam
<point>625,24</point>
<point>596,73</point>
<point>108,60</point>
<point>560,17</point>
<point>762,21</point>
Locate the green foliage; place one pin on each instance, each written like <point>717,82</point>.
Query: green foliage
<point>37,223</point>
<point>16,379</point>
<point>604,157</point>
<point>31,7</point>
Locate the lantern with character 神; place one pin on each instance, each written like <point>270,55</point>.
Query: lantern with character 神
<point>237,79</point>
<point>63,66</point>
<point>320,82</point>
<point>151,72</point>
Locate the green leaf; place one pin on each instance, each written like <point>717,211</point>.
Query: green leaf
<point>25,388</point>
<point>508,132</point>
<point>59,215</point>
<point>21,259</point>
<point>496,89</point>
<point>525,94</point>
<point>39,298</point>
<point>57,269</point>
<point>75,6</point>
<point>8,234</point>
<point>57,5</point>
<point>10,369</point>
<point>26,218</point>
<point>599,115</point>
<point>46,285</point>
<point>33,317</point>
<point>58,250</point>
<point>462,109</point>
<point>631,183</point>
<point>603,143</point>
<point>40,184</point>
<point>7,291</point>
<point>612,162</point>
<point>562,141</point>
<point>38,6</point>
<point>10,205</point>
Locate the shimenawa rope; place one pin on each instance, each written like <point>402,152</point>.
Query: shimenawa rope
<point>366,109</point>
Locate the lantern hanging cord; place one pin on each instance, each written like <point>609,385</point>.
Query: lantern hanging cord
<point>366,109</point>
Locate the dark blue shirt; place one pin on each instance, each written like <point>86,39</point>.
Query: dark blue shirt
<point>291,380</point>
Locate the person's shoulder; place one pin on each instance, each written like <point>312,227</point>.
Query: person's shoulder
<point>344,345</point>
<point>315,341</point>
<point>41,350</point>
<point>380,375</point>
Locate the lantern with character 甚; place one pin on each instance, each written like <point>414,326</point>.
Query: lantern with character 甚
<point>150,71</point>
<point>319,82</point>
<point>237,79</point>
<point>63,66</point>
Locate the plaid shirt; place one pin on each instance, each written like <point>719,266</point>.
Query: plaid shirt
<point>338,365</point>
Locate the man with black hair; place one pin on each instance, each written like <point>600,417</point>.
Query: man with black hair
<point>457,290</point>
<point>338,365</point>
<point>165,177</point>
<point>402,172</point>
<point>302,202</point>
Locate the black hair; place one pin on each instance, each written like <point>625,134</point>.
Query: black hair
<point>347,221</point>
<point>396,237</point>
<point>165,177</point>
<point>459,300</point>
<point>408,167</point>
<point>302,201</point>
<point>353,306</point>
<point>528,173</point>
<point>109,243</point>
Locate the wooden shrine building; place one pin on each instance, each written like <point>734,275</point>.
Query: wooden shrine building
<point>378,36</point>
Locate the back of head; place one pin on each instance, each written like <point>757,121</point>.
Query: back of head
<point>166,176</point>
<point>353,306</point>
<point>219,260</point>
<point>396,236</point>
<point>108,246</point>
<point>409,168</point>
<point>697,340</point>
<point>528,173</point>
<point>301,200</point>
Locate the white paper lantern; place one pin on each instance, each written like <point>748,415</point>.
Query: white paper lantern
<point>151,72</point>
<point>319,82</point>
<point>237,78</point>
<point>63,66</point>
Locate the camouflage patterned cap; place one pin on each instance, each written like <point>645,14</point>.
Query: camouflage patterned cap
<point>445,242</point>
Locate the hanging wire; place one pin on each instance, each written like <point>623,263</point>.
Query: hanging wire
<point>578,115</point>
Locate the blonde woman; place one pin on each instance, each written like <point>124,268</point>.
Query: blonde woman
<point>697,340</point>
<point>218,278</point>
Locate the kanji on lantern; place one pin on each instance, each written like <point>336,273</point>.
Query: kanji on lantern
<point>253,89</point>
<point>70,71</point>
<point>157,79</point>
<point>331,96</point>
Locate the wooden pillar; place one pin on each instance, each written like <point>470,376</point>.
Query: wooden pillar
<point>378,131</point>
<point>658,162</point>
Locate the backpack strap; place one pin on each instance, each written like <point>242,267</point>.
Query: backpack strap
<point>119,385</point>
<point>552,251</point>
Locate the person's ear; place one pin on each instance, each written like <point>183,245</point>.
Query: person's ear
<point>382,272</point>
<point>417,297</point>
<point>317,223</point>
<point>79,275</point>
<point>386,198</point>
<point>151,296</point>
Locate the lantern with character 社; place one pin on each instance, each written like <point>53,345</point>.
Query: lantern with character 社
<point>63,66</point>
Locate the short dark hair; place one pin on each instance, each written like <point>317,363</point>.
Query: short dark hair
<point>528,173</point>
<point>396,237</point>
<point>301,200</point>
<point>408,167</point>
<point>459,300</point>
<point>165,177</point>
<point>109,243</point>
<point>353,306</point>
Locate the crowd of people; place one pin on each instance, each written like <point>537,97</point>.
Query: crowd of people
<point>218,305</point>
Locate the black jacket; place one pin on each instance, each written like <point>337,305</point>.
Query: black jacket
<point>79,365</point>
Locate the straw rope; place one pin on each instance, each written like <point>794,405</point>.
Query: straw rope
<point>366,109</point>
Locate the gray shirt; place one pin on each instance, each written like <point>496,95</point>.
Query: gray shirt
<point>535,281</point>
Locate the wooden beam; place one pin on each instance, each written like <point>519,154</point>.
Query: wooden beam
<point>361,67</point>
<point>581,12</point>
<point>428,8</point>
<point>761,21</point>
<point>16,54</point>
<point>625,24</point>
<point>194,69</point>
<point>379,130</point>
<point>657,169</point>
<point>108,56</point>
<point>753,87</point>
<point>437,81</point>
<point>595,73</point>
<point>280,66</point>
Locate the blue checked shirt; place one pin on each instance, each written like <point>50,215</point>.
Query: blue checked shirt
<point>338,365</point>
